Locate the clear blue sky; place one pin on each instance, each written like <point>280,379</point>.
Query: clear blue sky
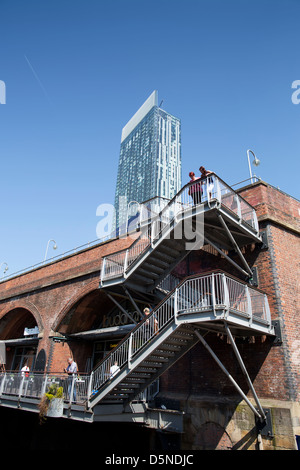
<point>77,70</point>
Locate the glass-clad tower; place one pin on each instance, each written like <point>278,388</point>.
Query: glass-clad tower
<point>150,157</point>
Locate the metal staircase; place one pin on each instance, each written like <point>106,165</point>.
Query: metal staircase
<point>211,302</point>
<point>222,218</point>
<point>151,364</point>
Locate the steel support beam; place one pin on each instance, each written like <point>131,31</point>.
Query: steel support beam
<point>236,351</point>
<point>228,375</point>
<point>133,302</point>
<point>234,243</point>
<point>120,307</point>
<point>226,257</point>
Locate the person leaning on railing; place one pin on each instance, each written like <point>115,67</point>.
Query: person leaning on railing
<point>152,327</point>
<point>210,182</point>
<point>195,189</point>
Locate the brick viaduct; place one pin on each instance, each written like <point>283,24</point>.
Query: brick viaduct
<point>63,297</point>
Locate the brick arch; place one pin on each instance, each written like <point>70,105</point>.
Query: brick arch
<point>24,304</point>
<point>92,286</point>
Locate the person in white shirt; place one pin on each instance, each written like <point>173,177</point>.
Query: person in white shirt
<point>25,371</point>
<point>71,371</point>
<point>114,369</point>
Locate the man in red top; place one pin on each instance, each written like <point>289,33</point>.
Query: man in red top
<point>195,189</point>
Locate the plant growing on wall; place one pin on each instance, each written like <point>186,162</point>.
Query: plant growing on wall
<point>53,392</point>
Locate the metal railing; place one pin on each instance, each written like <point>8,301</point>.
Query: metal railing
<point>34,385</point>
<point>192,194</point>
<point>76,389</point>
<point>197,294</point>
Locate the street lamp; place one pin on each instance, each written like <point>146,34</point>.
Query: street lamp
<point>5,269</point>
<point>255,162</point>
<point>54,247</point>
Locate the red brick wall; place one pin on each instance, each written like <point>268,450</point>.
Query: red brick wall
<point>274,370</point>
<point>48,293</point>
<point>279,278</point>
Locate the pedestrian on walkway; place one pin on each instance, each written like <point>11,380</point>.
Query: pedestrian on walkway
<point>71,370</point>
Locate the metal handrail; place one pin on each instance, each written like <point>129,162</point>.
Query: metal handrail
<point>76,389</point>
<point>35,384</point>
<point>212,187</point>
<point>193,294</point>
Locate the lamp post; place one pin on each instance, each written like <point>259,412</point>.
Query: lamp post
<point>255,162</point>
<point>54,247</point>
<point>5,269</point>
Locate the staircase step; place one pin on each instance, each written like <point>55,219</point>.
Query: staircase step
<point>121,386</point>
<point>148,273</point>
<point>149,369</point>
<point>172,347</point>
<point>164,353</point>
<point>156,358</point>
<point>158,270</point>
<point>161,255</point>
<point>157,263</point>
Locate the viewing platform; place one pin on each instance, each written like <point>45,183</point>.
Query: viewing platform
<point>205,211</point>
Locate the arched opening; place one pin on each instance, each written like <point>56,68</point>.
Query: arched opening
<point>95,324</point>
<point>19,336</point>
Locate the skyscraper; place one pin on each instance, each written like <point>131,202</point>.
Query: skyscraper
<point>150,157</point>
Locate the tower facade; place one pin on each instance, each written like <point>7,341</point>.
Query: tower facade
<point>150,158</point>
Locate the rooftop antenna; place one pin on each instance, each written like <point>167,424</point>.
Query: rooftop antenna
<point>161,103</point>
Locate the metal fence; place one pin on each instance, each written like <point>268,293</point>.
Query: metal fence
<point>76,389</point>
<point>34,385</point>
<point>210,292</point>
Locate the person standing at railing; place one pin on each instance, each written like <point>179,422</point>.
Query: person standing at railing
<point>71,370</point>
<point>114,369</point>
<point>151,324</point>
<point>208,180</point>
<point>25,370</point>
<point>195,189</point>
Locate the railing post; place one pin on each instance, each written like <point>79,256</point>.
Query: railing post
<point>226,293</point>
<point>267,313</point>
<point>125,261</point>
<point>44,385</point>
<point>129,351</point>
<point>176,306</point>
<point>72,389</point>
<point>238,205</point>
<point>255,220</point>
<point>249,305</point>
<point>89,388</point>
<point>213,292</point>
<point>217,191</point>
<point>21,385</point>
<point>103,269</point>
<point>2,384</point>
